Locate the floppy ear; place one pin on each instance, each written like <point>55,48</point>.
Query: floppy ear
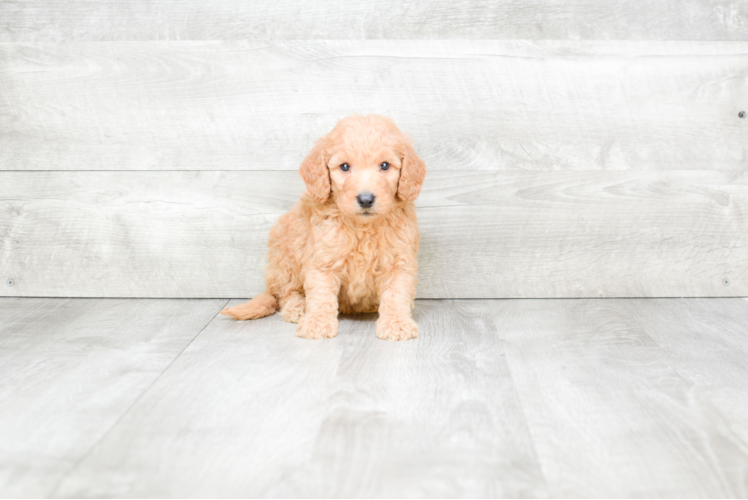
<point>315,173</point>
<point>412,173</point>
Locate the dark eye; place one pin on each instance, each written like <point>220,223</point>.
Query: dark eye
<point>345,167</point>
<point>384,165</point>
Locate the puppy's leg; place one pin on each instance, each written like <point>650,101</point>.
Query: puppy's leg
<point>292,307</point>
<point>320,321</point>
<point>395,300</point>
<point>260,306</point>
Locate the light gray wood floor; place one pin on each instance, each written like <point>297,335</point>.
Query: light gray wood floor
<point>519,398</point>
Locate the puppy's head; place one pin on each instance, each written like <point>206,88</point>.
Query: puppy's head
<point>365,166</point>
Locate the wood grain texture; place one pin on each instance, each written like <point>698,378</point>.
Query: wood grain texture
<point>249,410</point>
<point>531,398</point>
<point>469,105</point>
<point>484,235</point>
<point>49,20</point>
<point>707,343</point>
<point>608,414</point>
<point>71,369</point>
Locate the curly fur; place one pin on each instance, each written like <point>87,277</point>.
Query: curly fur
<point>329,254</point>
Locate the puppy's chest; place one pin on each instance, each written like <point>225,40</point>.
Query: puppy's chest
<point>362,266</point>
<point>367,258</point>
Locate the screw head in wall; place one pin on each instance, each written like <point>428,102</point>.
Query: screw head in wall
<point>726,282</point>
<point>741,114</point>
<point>10,282</point>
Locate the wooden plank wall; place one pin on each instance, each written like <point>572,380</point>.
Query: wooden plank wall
<point>582,149</point>
<point>83,20</point>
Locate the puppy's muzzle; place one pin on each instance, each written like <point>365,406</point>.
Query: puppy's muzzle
<point>365,200</point>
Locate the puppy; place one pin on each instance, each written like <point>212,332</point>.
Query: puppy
<point>350,244</point>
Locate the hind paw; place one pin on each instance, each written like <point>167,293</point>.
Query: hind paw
<point>293,309</point>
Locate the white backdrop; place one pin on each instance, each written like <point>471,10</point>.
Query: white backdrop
<point>583,149</point>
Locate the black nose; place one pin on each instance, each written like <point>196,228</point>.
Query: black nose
<point>365,200</point>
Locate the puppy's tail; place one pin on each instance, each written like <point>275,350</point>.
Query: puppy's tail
<point>260,306</point>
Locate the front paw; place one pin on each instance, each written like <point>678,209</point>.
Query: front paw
<point>317,327</point>
<point>397,329</point>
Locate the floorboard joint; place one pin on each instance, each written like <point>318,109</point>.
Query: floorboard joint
<point>132,405</point>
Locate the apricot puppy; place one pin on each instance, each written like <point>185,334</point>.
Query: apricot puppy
<point>350,244</point>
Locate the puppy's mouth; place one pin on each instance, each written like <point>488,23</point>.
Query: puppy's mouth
<point>366,213</point>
